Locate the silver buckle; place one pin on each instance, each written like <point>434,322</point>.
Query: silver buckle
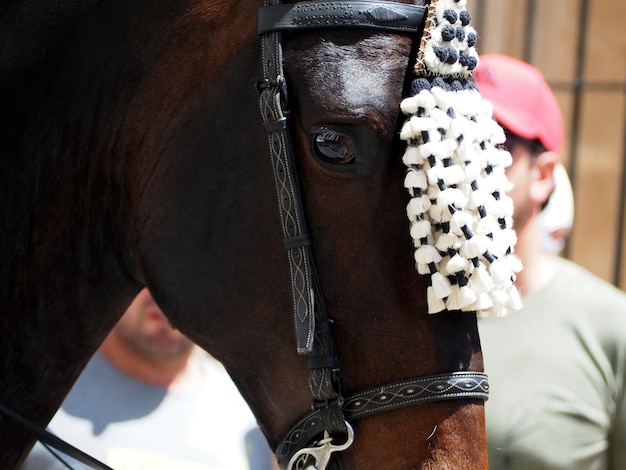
<point>320,453</point>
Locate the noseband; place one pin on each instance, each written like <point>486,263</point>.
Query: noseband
<point>302,447</point>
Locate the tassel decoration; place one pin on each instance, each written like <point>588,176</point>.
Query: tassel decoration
<point>459,212</point>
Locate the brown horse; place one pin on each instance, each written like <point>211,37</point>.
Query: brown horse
<point>133,154</point>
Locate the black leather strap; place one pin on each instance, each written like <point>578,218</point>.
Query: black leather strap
<point>380,15</point>
<point>313,335</point>
<point>455,385</point>
<point>272,99</point>
<point>49,439</point>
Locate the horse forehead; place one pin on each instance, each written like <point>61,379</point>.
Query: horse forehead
<point>345,73</point>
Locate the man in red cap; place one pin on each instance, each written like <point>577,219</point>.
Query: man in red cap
<point>557,367</point>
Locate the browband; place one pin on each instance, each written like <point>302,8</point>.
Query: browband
<point>381,15</point>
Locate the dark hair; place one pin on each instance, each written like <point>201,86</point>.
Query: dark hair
<point>534,145</point>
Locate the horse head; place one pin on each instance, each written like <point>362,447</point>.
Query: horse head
<point>142,149</point>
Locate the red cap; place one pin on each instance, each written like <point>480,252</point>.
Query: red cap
<point>522,100</point>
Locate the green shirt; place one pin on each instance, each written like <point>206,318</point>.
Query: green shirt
<point>557,371</point>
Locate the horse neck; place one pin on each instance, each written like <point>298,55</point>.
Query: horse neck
<point>66,257</point>
<point>82,121</point>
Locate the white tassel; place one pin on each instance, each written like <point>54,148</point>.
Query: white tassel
<point>483,305</point>
<point>441,285</point>
<point>487,225</point>
<point>475,246</point>
<point>453,174</point>
<point>451,196</point>
<point>472,168</point>
<point>459,127</point>
<point>412,156</point>
<point>424,99</point>
<point>498,311</point>
<point>499,297</point>
<point>420,229</point>
<point>466,151</point>
<point>420,124</point>
<point>515,301</point>
<point>435,174</point>
<point>502,157</point>
<point>415,179</point>
<point>499,272</point>
<point>483,302</point>
<point>500,180</point>
<point>435,304</point>
<point>406,133</point>
<point>444,98</point>
<point>457,264</point>
<point>481,280</point>
<point>466,297</point>
<point>459,220</point>
<point>439,150</point>
<point>418,206</point>
<point>441,118</point>
<point>478,198</point>
<point>439,213</point>
<point>506,238</point>
<point>423,269</point>
<point>445,241</point>
<point>514,263</point>
<point>501,208</point>
<point>497,132</point>
<point>426,254</point>
<point>454,299</point>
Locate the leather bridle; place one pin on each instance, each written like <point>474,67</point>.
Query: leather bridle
<point>312,439</point>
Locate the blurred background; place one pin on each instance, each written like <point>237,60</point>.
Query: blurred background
<point>580,46</point>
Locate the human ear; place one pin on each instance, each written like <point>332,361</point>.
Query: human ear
<point>542,183</point>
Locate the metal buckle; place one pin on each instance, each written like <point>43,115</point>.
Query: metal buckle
<point>321,453</point>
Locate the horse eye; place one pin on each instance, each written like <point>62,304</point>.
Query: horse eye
<point>331,146</point>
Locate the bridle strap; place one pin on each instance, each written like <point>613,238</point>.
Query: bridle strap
<point>273,98</point>
<point>49,439</point>
<point>455,385</point>
<point>312,327</point>
<point>379,15</point>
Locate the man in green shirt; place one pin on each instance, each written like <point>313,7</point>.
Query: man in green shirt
<point>557,367</point>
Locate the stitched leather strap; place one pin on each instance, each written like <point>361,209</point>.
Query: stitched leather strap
<point>272,99</point>
<point>313,334</point>
<point>381,15</point>
<point>455,385</point>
